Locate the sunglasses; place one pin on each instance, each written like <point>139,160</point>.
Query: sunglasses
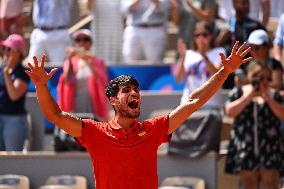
<point>203,34</point>
<point>83,39</point>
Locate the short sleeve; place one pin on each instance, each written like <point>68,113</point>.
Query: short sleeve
<point>160,127</point>
<point>275,64</point>
<point>20,74</point>
<point>277,97</point>
<point>234,94</point>
<point>89,132</point>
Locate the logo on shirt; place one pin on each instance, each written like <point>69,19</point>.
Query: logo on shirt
<point>141,134</point>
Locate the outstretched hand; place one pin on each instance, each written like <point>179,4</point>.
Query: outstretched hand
<point>236,59</point>
<point>38,74</point>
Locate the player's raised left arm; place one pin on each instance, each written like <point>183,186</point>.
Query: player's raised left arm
<point>202,94</point>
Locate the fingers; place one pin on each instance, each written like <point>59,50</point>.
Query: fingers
<point>246,52</point>
<point>241,48</point>
<point>43,58</point>
<point>234,50</point>
<point>222,56</point>
<point>35,61</point>
<point>30,66</point>
<point>247,59</point>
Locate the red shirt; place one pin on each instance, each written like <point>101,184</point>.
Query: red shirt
<point>125,160</point>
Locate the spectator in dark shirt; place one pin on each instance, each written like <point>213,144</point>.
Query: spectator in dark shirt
<point>13,89</point>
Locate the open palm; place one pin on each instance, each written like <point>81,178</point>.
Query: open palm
<point>236,59</point>
<point>38,74</point>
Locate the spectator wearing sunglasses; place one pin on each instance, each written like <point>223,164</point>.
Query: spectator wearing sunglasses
<point>260,48</point>
<point>255,150</point>
<point>81,85</point>
<point>200,63</point>
<point>13,89</point>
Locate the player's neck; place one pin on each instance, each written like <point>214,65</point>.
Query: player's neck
<point>125,123</point>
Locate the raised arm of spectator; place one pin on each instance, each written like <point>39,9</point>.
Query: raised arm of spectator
<point>207,14</point>
<point>174,12</point>
<point>15,89</point>
<point>90,3</point>
<point>129,6</point>
<point>202,94</point>
<point>276,107</point>
<point>179,71</point>
<point>51,110</point>
<point>265,11</point>
<point>235,107</point>
<point>279,40</point>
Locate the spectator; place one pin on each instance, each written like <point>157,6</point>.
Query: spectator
<point>12,19</point>
<point>279,40</point>
<point>107,28</point>
<point>276,8</point>
<point>13,89</point>
<point>240,28</point>
<point>50,36</point>
<point>260,47</point>
<point>255,151</point>
<point>259,10</point>
<point>190,12</point>
<point>145,33</point>
<point>81,86</point>
<point>199,64</point>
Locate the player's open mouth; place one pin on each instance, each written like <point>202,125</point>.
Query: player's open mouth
<point>133,104</point>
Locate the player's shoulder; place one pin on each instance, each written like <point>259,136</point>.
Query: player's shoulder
<point>156,120</point>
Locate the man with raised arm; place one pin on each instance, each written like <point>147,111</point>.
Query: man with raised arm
<point>123,150</point>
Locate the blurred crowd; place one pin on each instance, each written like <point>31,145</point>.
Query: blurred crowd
<point>129,32</point>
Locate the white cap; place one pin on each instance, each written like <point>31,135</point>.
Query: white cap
<point>258,37</point>
<point>86,32</point>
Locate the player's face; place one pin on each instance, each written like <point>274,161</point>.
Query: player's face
<point>129,101</point>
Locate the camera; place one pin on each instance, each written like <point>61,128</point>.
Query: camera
<point>80,51</point>
<point>255,83</point>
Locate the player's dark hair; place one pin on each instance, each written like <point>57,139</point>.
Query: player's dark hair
<point>115,84</point>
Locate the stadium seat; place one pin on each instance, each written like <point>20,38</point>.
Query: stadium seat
<point>185,182</point>
<point>16,181</point>
<point>72,181</point>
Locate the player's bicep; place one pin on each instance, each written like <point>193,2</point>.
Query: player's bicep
<point>180,114</point>
<point>69,123</point>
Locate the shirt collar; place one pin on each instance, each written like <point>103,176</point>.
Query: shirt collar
<point>116,126</point>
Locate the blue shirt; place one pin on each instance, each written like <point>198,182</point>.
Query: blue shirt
<point>279,36</point>
<point>52,13</point>
<point>7,106</point>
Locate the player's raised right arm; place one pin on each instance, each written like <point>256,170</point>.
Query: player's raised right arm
<point>49,107</point>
